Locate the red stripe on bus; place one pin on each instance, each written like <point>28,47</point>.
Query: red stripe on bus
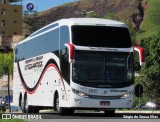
<point>50,65</point>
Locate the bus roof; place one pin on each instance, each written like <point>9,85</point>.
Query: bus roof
<point>96,21</point>
<point>78,21</point>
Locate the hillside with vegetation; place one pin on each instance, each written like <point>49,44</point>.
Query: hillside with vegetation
<point>142,17</point>
<point>131,11</point>
<point>151,22</point>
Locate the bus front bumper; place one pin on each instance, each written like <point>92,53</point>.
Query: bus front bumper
<point>80,102</point>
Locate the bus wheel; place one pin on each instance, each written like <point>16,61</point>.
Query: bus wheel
<point>109,112</point>
<point>60,110</point>
<point>21,105</point>
<point>26,107</point>
<point>20,101</point>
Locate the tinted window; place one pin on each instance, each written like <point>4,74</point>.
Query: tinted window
<point>42,44</point>
<point>45,29</point>
<point>95,69</point>
<point>101,36</point>
<point>64,55</point>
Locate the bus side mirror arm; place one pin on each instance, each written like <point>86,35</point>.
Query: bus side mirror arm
<point>141,55</point>
<point>71,52</point>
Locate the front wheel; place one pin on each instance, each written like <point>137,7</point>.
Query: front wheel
<point>62,110</point>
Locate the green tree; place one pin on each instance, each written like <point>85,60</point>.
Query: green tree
<point>131,30</point>
<point>150,73</point>
<point>6,68</point>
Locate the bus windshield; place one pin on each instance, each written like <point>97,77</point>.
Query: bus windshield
<point>102,68</point>
<point>101,36</point>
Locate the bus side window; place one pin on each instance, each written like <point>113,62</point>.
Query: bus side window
<point>64,53</point>
<point>16,53</point>
<point>65,64</point>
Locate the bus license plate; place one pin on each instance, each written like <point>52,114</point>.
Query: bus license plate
<point>104,103</point>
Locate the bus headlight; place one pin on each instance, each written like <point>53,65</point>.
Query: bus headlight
<point>127,95</point>
<point>79,93</point>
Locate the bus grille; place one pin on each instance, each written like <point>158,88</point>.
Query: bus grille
<point>104,97</point>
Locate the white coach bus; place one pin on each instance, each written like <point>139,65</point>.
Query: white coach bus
<point>75,64</point>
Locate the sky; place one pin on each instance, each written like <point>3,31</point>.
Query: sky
<point>41,5</point>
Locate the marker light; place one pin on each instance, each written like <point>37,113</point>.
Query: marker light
<point>71,52</point>
<point>141,54</point>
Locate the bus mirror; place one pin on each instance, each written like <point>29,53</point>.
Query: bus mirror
<point>138,90</point>
<point>141,54</point>
<point>71,52</point>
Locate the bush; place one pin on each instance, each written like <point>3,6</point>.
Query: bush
<point>150,73</point>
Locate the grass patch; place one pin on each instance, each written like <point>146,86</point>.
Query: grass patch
<point>151,23</point>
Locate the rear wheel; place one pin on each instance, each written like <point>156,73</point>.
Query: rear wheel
<point>28,109</point>
<point>20,101</point>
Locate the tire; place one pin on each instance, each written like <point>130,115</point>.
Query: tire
<point>21,104</point>
<point>109,112</point>
<point>26,108</point>
<point>61,110</point>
